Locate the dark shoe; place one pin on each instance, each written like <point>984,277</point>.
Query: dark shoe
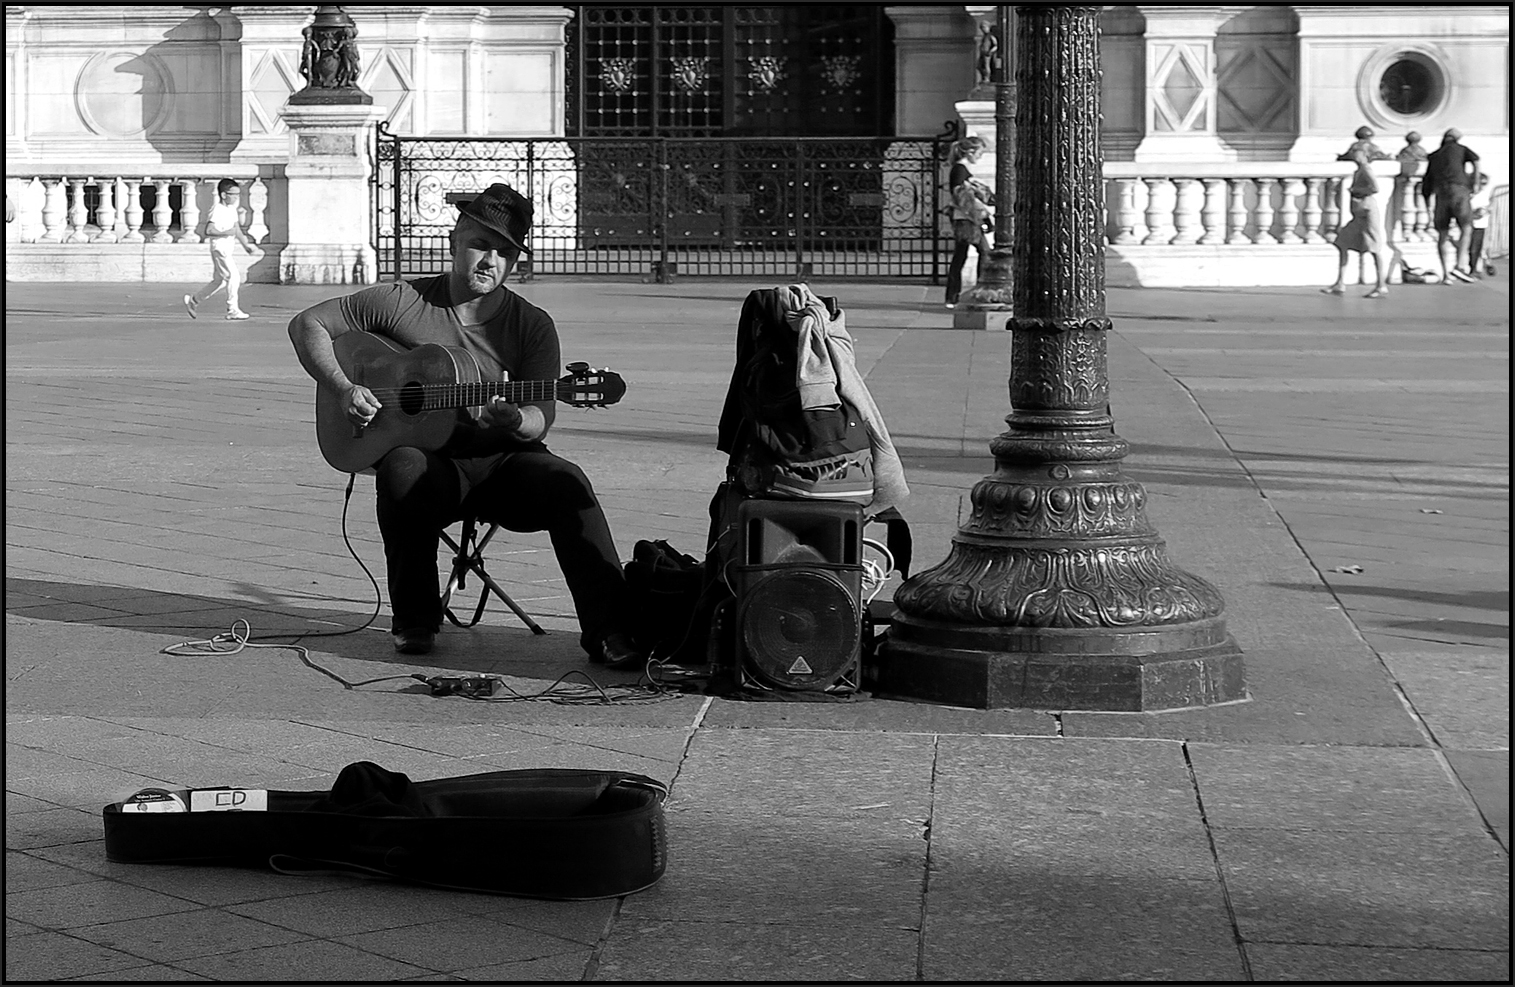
<point>414,641</point>
<point>617,651</point>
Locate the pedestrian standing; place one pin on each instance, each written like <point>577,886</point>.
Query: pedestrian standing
<point>222,229</point>
<point>1364,232</point>
<point>1452,185</point>
<point>1481,202</point>
<point>971,212</point>
<point>1410,157</point>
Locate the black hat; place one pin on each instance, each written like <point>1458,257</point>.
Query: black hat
<point>503,210</point>
<point>1364,133</point>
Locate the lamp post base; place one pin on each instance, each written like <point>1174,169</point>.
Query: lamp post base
<point>987,305</point>
<point>1140,671</point>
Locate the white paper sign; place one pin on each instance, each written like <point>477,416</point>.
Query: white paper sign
<point>228,800</point>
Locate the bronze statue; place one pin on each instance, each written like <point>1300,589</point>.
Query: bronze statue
<point>988,52</point>
<point>329,60</point>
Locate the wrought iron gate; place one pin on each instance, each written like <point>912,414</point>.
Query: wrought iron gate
<point>783,207</point>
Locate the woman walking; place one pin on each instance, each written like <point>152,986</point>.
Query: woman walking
<point>1364,233</point>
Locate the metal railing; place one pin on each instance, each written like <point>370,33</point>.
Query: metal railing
<point>785,207</point>
<point>1497,239</point>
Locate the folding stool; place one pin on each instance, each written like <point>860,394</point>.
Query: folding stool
<point>469,557</point>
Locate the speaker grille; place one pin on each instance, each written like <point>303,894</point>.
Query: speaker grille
<point>800,628</point>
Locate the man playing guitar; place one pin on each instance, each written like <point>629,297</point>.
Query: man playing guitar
<point>495,467</point>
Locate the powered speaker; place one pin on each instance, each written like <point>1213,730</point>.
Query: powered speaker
<point>799,603</point>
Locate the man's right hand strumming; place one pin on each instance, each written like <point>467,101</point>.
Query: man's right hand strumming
<point>360,404</point>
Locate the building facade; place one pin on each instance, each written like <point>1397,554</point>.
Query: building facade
<point>117,118</point>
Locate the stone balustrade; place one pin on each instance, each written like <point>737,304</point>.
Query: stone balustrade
<point>1236,223</point>
<point>99,221</point>
<point>96,204</point>
<point>1243,203</point>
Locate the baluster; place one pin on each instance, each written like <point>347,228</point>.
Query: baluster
<point>1157,222</point>
<point>189,213</point>
<point>1406,217</point>
<point>29,199</point>
<point>1185,211</point>
<point>1288,210</point>
<point>1313,210</point>
<point>1213,214</point>
<point>53,210</point>
<point>1330,209</point>
<point>1125,211</point>
<point>257,200</point>
<point>1238,215</point>
<point>78,215</point>
<point>105,215</point>
<point>133,191</point>
<point>1265,211</point>
<point>163,213</point>
<point>1422,213</point>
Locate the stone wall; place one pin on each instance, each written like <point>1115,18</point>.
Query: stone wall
<point>162,84</point>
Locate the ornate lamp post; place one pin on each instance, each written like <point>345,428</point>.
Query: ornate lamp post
<point>1057,592</point>
<point>329,60</point>
<point>994,290</point>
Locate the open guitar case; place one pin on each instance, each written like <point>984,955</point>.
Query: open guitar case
<point>541,833</point>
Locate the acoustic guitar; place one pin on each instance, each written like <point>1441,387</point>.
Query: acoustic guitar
<point>421,390</point>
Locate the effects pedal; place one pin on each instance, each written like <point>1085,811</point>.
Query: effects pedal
<point>474,686</point>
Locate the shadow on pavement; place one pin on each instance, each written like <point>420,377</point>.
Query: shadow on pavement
<point>499,644</point>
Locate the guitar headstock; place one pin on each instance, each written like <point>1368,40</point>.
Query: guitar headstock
<point>585,387</point>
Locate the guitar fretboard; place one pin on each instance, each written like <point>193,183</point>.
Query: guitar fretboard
<point>478,393</point>
<point>435,397</point>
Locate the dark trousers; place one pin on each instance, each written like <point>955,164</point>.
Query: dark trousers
<point>1475,252</point>
<point>965,234</point>
<point>420,493</point>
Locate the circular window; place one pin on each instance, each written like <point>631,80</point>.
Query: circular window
<point>1410,87</point>
<point>1402,85</point>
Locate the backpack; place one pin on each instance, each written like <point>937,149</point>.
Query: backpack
<point>665,588</point>
<point>785,450</point>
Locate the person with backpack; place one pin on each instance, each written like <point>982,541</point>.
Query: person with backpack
<point>972,212</point>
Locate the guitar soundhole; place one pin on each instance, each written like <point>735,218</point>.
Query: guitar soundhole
<point>412,398</point>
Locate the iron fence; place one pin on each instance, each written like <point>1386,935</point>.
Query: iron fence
<point>657,207</point>
<point>1498,242</point>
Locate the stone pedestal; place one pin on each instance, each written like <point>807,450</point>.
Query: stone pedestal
<point>330,240</point>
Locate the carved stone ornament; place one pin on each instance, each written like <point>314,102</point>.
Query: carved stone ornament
<point>765,73</point>
<point>329,60</point>
<point>617,75</point>
<point>840,72</point>
<point>690,73</point>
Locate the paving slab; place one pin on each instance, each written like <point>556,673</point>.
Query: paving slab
<point>1070,929</point>
<point>1356,964</point>
<point>1353,790</point>
<point>1367,889</point>
<point>706,952</point>
<point>1463,695</point>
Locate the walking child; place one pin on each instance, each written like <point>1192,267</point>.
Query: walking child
<point>222,228</point>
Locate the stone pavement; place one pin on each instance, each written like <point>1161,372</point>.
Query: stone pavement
<point>1338,467</point>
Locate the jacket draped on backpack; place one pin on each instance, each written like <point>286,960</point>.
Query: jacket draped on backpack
<point>796,395</point>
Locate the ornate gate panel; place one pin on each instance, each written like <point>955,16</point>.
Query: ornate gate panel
<point>650,207</point>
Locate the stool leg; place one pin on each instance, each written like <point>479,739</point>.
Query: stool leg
<point>491,585</point>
